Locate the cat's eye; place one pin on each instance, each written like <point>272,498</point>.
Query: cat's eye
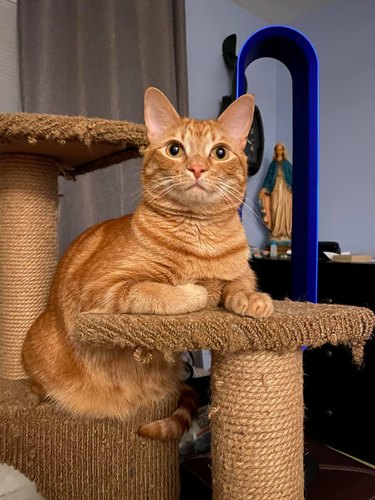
<point>174,149</point>
<point>220,152</point>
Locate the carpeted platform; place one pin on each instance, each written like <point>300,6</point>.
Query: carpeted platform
<point>293,324</point>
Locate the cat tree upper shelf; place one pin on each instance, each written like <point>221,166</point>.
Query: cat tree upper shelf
<point>78,143</point>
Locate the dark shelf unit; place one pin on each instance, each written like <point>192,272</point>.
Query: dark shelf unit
<point>339,408</point>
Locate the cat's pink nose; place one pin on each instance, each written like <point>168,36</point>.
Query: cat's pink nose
<point>197,169</point>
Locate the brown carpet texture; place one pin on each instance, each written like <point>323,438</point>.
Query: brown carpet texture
<point>292,325</point>
<point>78,459</point>
<point>80,144</point>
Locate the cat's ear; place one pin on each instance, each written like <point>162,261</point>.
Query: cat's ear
<point>160,115</point>
<point>236,120</point>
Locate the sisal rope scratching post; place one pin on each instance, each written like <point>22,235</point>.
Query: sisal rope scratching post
<point>257,405</point>
<point>28,201</point>
<point>257,425</point>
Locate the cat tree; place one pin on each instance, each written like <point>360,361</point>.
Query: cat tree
<point>257,404</point>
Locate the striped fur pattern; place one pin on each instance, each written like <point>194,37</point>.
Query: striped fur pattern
<point>183,249</point>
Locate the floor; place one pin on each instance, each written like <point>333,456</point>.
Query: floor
<point>330,475</point>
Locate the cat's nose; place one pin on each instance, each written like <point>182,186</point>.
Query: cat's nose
<point>197,168</point>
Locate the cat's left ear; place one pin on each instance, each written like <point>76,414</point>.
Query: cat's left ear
<point>160,115</point>
<point>236,120</point>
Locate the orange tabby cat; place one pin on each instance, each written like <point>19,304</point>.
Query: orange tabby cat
<point>182,250</point>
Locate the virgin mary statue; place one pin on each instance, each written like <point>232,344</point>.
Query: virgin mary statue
<point>275,197</point>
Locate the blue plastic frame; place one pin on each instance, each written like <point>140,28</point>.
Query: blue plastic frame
<point>292,48</point>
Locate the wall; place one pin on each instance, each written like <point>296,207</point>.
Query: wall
<point>9,80</point>
<point>344,36</point>
<point>284,107</point>
<point>208,23</point>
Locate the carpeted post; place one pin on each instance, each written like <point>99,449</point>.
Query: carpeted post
<point>28,242</point>
<point>257,425</point>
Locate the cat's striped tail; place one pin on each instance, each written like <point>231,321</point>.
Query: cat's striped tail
<point>180,421</point>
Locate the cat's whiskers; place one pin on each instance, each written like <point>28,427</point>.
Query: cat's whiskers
<point>165,191</point>
<point>160,184</point>
<point>250,221</point>
<point>136,197</point>
<point>170,181</point>
<point>230,190</point>
<point>227,199</point>
<point>135,172</point>
<point>165,180</point>
<point>136,194</point>
<point>232,196</point>
<point>155,188</point>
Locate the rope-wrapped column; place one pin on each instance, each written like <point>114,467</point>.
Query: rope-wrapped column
<point>28,244</point>
<point>257,425</point>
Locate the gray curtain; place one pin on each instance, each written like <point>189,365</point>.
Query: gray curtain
<point>96,58</point>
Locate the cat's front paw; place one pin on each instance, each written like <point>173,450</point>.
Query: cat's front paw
<point>196,296</point>
<point>249,304</point>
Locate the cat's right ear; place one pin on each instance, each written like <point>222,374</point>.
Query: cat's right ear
<point>160,115</point>
<point>236,120</point>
